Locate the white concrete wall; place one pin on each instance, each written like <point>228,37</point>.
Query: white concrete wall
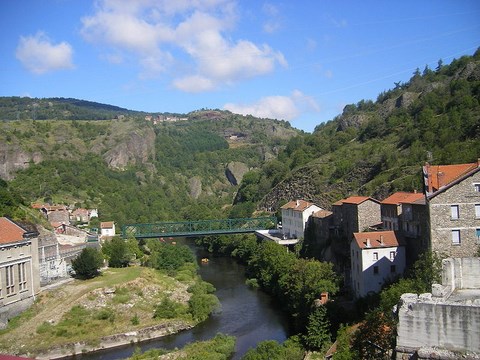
<point>424,322</point>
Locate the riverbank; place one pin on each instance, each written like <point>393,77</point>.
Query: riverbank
<point>81,316</point>
<point>114,341</point>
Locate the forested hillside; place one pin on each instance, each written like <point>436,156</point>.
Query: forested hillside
<point>137,171</point>
<point>376,148</point>
<point>134,170</point>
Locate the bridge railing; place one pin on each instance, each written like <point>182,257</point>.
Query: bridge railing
<point>199,227</point>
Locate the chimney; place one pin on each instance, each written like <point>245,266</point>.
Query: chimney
<point>368,244</point>
<point>298,203</point>
<point>381,240</point>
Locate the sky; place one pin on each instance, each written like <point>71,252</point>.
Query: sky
<point>300,61</point>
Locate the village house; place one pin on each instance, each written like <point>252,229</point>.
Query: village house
<point>19,274</point>
<point>453,198</point>
<point>355,214</point>
<point>107,229</point>
<point>407,214</point>
<point>295,215</point>
<point>376,257</point>
<point>321,221</point>
<point>80,215</point>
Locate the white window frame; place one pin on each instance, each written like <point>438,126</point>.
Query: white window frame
<point>454,212</point>
<point>392,255</point>
<point>456,237</point>
<point>477,211</point>
<point>375,256</point>
<point>476,187</point>
<point>10,280</point>
<point>22,277</point>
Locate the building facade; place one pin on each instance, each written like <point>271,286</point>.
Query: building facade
<point>19,273</point>
<point>376,257</point>
<point>453,197</point>
<point>355,214</point>
<point>295,215</point>
<point>107,229</point>
<point>407,214</point>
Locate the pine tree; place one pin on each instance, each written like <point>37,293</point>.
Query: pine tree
<point>318,329</point>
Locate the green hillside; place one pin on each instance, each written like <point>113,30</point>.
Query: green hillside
<point>376,148</point>
<point>136,171</point>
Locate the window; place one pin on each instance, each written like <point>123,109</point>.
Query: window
<point>375,270</point>
<point>375,256</point>
<point>22,278</point>
<point>10,280</point>
<point>454,212</point>
<point>392,255</point>
<point>456,237</point>
<point>393,269</point>
<point>477,211</point>
<point>477,232</point>
<point>477,187</point>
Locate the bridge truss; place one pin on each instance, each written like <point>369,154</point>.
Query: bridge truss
<point>198,228</point>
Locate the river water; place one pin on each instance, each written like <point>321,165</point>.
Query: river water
<point>249,315</point>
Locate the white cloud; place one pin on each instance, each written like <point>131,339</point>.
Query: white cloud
<point>277,107</point>
<point>273,22</point>
<point>39,55</point>
<point>195,33</point>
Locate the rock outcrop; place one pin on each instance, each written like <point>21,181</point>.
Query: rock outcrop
<point>235,171</point>
<point>13,158</point>
<point>137,148</point>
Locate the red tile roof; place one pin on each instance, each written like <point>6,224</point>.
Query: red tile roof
<point>298,205</point>
<point>404,198</point>
<point>376,239</point>
<point>357,200</point>
<point>106,225</point>
<point>10,232</point>
<point>438,176</point>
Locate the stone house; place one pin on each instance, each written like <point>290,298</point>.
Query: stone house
<point>407,214</point>
<point>80,215</point>
<point>19,274</point>
<point>321,220</point>
<point>453,199</point>
<point>375,258</point>
<point>295,215</point>
<point>355,214</point>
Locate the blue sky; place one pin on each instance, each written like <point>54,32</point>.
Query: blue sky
<point>301,61</point>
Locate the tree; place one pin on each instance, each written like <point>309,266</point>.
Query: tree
<point>344,351</point>
<point>318,329</point>
<point>116,252</point>
<point>87,264</point>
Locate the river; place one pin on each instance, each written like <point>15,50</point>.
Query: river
<point>249,315</point>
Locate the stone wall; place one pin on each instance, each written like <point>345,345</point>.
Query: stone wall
<point>464,195</point>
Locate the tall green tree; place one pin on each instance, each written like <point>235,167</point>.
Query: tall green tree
<point>87,264</point>
<point>317,336</point>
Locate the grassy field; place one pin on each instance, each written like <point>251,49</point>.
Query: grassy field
<point>118,301</point>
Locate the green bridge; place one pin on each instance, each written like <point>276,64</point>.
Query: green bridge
<point>198,228</point>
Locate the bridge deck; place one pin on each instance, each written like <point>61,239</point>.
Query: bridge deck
<point>198,228</point>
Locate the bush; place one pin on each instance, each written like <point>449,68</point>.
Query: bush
<point>87,264</point>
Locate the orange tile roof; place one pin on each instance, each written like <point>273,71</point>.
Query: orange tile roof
<point>106,225</point>
<point>376,239</point>
<point>10,232</point>
<point>338,203</point>
<point>298,205</point>
<point>439,176</point>
<point>357,200</point>
<point>404,198</point>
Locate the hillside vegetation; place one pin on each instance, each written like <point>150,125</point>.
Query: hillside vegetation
<point>376,148</point>
<point>135,171</point>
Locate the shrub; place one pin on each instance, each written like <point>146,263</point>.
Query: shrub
<point>87,264</point>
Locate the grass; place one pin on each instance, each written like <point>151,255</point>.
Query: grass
<point>83,311</point>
